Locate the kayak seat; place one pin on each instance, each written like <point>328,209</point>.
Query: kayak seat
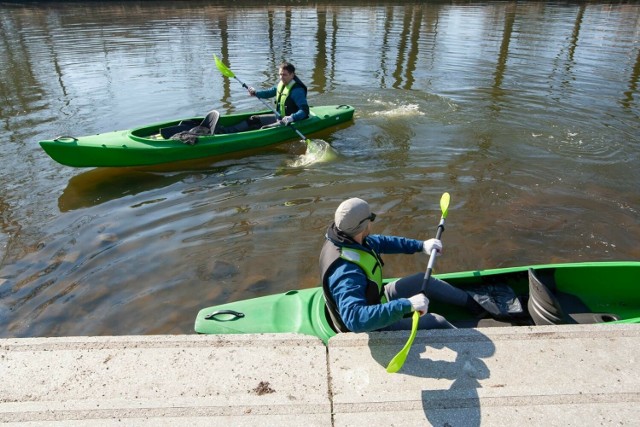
<point>196,128</point>
<point>547,306</point>
<point>184,125</point>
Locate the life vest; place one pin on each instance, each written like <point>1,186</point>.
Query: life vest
<point>284,104</point>
<point>369,263</point>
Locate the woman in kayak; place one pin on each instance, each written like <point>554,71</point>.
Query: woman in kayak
<point>351,268</point>
<point>291,102</point>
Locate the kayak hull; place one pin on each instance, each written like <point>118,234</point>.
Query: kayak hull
<point>145,146</point>
<point>608,287</point>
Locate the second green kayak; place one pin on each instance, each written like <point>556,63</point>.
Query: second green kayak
<point>146,145</point>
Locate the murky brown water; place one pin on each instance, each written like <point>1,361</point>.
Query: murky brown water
<point>527,113</point>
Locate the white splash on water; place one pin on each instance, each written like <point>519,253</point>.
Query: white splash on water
<point>392,109</point>
<point>318,151</point>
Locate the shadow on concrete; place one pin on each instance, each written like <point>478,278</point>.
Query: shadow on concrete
<point>441,355</point>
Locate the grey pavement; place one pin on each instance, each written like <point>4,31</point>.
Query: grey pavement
<point>547,376</point>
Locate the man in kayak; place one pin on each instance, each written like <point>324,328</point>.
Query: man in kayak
<point>291,102</point>
<point>291,97</point>
<point>351,270</point>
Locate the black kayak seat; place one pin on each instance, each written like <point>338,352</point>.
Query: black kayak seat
<point>184,125</point>
<point>205,126</point>
<point>547,306</point>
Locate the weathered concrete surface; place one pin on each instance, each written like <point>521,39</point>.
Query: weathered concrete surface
<point>551,376</point>
<point>165,380</point>
<point>546,376</point>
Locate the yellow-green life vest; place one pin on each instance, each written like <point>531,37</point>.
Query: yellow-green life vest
<point>369,263</point>
<point>282,94</point>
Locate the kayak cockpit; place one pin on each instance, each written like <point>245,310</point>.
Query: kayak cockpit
<point>188,130</point>
<point>164,131</point>
<point>535,297</point>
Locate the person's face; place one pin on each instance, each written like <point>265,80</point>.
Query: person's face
<point>285,76</point>
<point>370,219</point>
<point>367,230</point>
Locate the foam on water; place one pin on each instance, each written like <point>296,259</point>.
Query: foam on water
<point>398,110</point>
<point>318,151</point>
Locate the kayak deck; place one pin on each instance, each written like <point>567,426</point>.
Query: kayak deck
<point>298,311</point>
<point>610,288</point>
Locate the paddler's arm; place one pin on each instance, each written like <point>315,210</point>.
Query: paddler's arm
<point>300,98</point>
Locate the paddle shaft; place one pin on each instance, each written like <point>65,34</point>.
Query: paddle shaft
<point>269,106</point>
<point>432,258</point>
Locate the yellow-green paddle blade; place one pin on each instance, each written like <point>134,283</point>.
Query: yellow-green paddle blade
<point>399,359</point>
<point>223,68</point>
<point>444,204</point>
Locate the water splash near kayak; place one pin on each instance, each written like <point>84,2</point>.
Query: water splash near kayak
<point>318,151</point>
<point>392,109</point>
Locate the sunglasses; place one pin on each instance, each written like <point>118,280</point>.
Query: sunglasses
<point>371,218</point>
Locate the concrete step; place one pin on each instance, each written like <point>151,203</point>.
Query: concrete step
<point>556,375</point>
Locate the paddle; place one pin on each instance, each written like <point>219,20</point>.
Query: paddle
<point>399,359</point>
<point>228,73</point>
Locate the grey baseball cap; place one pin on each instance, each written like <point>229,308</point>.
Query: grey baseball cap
<point>353,216</point>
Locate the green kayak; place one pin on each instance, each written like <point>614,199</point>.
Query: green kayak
<point>150,145</point>
<point>551,294</point>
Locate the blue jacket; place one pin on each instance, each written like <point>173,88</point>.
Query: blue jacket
<point>347,283</point>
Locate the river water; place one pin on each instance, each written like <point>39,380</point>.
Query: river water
<point>527,113</point>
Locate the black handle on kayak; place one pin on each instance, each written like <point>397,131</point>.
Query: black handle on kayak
<point>65,138</point>
<point>236,315</point>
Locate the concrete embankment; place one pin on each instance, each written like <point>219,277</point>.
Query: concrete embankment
<point>569,375</point>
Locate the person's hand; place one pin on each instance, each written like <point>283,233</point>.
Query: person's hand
<point>252,91</point>
<point>419,303</point>
<point>430,245</point>
<point>286,120</point>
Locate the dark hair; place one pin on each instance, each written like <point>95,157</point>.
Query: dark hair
<point>288,66</point>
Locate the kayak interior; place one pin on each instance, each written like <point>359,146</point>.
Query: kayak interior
<point>553,295</point>
<point>164,131</point>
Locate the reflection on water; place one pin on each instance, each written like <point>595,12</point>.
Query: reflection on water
<point>101,185</point>
<point>526,112</point>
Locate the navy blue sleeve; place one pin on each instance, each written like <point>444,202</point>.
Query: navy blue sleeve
<point>348,286</point>
<point>267,93</point>
<point>300,98</point>
<point>394,245</point>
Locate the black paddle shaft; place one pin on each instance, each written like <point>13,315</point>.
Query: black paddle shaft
<point>427,274</point>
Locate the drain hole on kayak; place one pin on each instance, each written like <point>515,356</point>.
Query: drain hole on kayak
<point>291,293</point>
